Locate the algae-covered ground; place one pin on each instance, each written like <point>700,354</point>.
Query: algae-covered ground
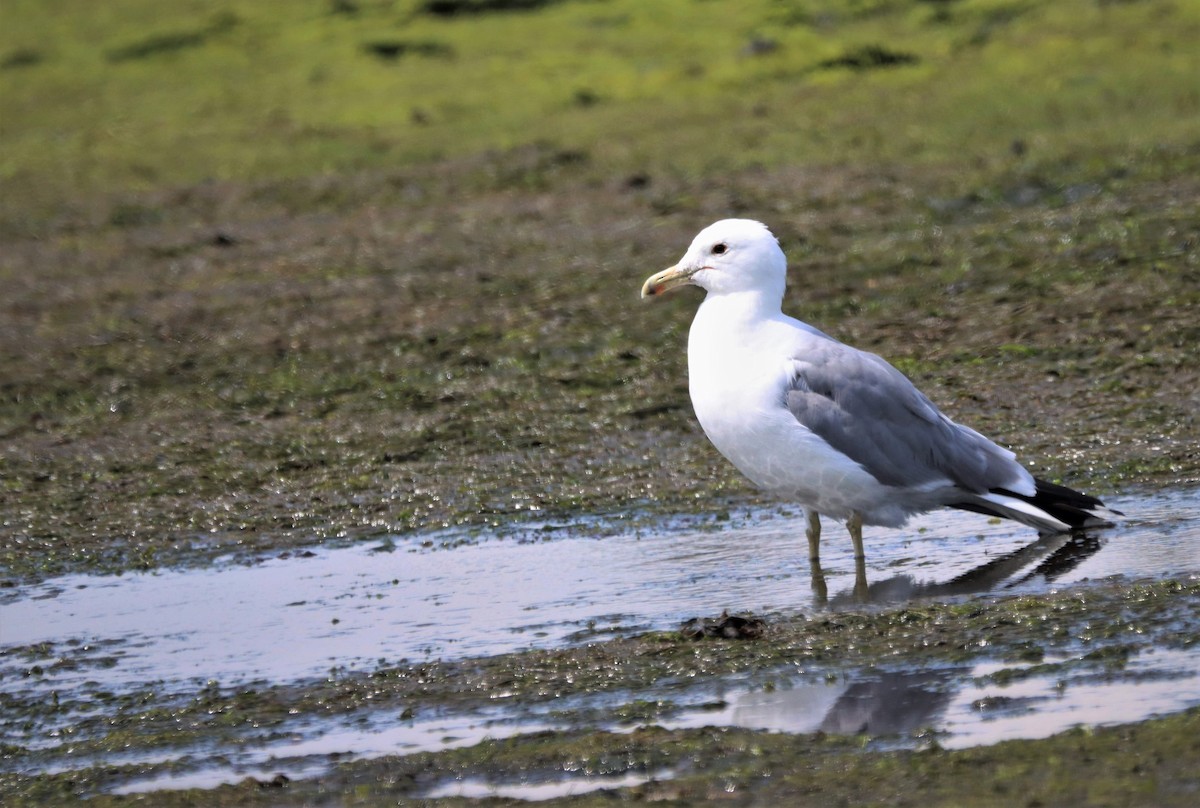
<point>280,273</point>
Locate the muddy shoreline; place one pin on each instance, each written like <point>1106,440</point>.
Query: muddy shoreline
<point>172,396</point>
<point>295,385</point>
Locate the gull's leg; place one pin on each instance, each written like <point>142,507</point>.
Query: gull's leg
<point>854,525</point>
<point>861,590</point>
<point>819,589</point>
<point>814,536</point>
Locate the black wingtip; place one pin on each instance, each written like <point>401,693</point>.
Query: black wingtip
<point>1065,508</point>
<point>1070,506</point>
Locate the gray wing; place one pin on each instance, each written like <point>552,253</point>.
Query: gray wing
<point>871,412</point>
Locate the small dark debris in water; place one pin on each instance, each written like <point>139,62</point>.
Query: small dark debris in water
<point>278,781</point>
<point>727,626</point>
<point>993,707</point>
<point>286,554</point>
<point>223,239</point>
<point>989,703</point>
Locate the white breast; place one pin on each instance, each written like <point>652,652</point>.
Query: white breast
<point>738,375</point>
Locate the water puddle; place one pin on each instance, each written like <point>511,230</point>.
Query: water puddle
<point>534,791</point>
<point>210,778</point>
<point>291,618</point>
<point>1156,682</point>
<point>294,619</point>
<point>964,706</point>
<point>312,747</point>
<point>959,706</point>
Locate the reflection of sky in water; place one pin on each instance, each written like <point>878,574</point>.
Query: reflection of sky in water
<point>961,705</point>
<point>1155,682</point>
<point>567,787</point>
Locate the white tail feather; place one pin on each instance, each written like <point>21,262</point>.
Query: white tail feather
<point>1024,512</point>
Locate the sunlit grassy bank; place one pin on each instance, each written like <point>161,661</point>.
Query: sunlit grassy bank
<point>133,94</point>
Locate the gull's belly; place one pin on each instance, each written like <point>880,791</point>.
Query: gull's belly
<point>738,382</point>
<point>781,456</point>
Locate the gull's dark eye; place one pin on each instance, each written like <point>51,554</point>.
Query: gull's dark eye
<point>719,249</point>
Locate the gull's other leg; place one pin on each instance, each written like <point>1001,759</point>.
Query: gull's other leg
<point>820,590</point>
<point>814,535</point>
<point>854,525</point>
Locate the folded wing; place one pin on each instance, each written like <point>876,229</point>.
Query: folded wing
<point>872,413</point>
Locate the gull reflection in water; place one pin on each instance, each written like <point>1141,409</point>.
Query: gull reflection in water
<point>891,703</point>
<point>1055,555</point>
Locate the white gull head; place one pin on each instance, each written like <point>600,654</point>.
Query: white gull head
<point>727,257</point>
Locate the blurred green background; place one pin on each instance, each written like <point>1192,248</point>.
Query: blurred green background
<point>139,94</point>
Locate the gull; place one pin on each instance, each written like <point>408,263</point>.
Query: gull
<point>834,429</point>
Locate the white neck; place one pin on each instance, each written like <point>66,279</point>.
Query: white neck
<point>728,334</point>
<point>733,309</point>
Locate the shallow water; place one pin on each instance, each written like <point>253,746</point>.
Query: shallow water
<point>957,705</point>
<point>292,619</point>
<point>566,787</point>
<point>960,704</point>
